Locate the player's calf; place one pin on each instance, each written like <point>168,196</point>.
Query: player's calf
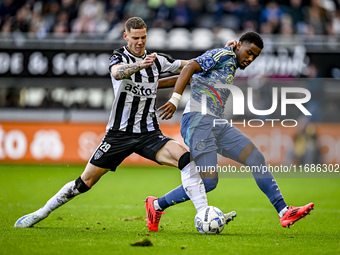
<point>65,194</point>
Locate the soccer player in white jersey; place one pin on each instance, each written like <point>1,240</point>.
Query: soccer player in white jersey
<point>209,72</point>
<point>132,127</point>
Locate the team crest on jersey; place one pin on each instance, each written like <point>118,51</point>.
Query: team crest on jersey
<point>200,146</point>
<point>208,63</point>
<point>98,154</point>
<point>154,68</point>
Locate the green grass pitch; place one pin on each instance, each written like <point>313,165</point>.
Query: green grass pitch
<point>111,217</point>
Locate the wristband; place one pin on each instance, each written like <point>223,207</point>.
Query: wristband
<point>175,99</point>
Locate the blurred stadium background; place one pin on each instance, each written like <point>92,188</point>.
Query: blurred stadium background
<point>56,93</point>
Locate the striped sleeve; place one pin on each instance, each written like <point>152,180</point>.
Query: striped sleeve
<point>118,57</point>
<point>167,63</point>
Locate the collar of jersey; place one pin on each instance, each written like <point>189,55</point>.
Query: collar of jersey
<point>142,57</point>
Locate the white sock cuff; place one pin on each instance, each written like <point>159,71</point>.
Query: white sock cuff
<point>156,205</point>
<point>283,211</point>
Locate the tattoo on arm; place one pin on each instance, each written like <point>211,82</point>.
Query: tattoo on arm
<point>125,71</point>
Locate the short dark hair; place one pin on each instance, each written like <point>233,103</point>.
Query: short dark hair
<point>134,23</point>
<point>252,37</point>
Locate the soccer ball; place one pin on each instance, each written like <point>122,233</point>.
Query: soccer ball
<point>210,220</point>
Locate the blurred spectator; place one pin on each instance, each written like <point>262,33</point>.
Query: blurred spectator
<point>61,27</point>
<point>182,15</point>
<point>50,16</point>
<point>137,8</point>
<point>196,8</point>
<point>6,28</point>
<point>296,10</point>
<point>156,3</point>
<point>318,18</point>
<point>7,10</point>
<point>112,17</point>
<point>272,14</point>
<point>250,15</point>
<point>306,145</point>
<point>317,90</point>
<point>116,6</point>
<point>90,18</point>
<point>287,26</point>
<point>70,8</point>
<point>161,14</point>
<point>37,26</point>
<point>22,19</point>
<point>267,28</point>
<point>39,17</point>
<point>336,22</point>
<point>214,9</point>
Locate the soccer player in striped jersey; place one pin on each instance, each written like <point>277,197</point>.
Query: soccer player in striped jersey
<point>132,127</point>
<point>205,140</point>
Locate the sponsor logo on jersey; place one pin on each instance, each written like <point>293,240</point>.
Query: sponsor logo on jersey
<point>139,90</point>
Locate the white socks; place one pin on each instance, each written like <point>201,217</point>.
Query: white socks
<point>156,205</point>
<point>283,211</point>
<point>65,194</point>
<point>194,186</point>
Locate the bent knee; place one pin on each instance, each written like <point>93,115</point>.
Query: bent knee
<point>210,183</point>
<point>170,153</point>
<point>256,158</point>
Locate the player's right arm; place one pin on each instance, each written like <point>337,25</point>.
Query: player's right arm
<point>170,107</point>
<point>123,71</point>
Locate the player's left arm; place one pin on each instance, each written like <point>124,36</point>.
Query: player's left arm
<point>169,108</point>
<point>168,82</point>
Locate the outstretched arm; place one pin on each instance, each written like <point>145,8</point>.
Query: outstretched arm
<point>170,107</point>
<point>168,82</point>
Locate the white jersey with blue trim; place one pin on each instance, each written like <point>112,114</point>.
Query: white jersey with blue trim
<point>219,67</point>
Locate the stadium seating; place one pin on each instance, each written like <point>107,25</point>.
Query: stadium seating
<point>157,38</point>
<point>179,38</point>
<point>202,38</point>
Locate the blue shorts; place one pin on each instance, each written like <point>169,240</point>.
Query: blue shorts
<point>201,136</point>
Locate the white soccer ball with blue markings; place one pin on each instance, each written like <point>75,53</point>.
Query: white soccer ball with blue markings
<point>210,220</point>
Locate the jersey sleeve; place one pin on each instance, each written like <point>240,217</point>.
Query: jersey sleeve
<point>115,58</point>
<point>167,63</point>
<point>215,58</point>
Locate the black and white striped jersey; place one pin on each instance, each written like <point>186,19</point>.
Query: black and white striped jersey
<point>134,104</point>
